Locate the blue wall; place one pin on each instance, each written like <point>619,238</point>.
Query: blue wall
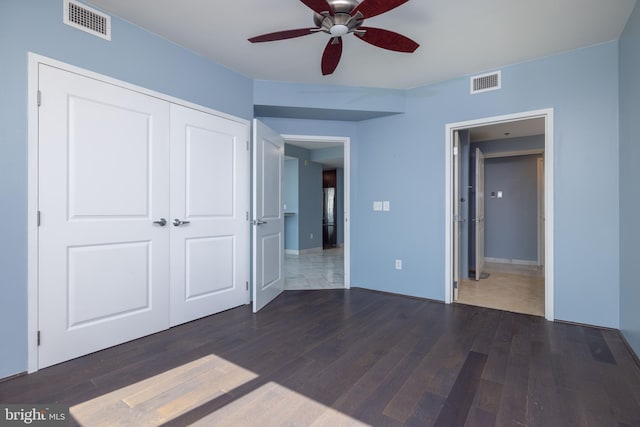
<point>308,217</point>
<point>291,193</point>
<point>629,160</point>
<point>133,55</point>
<point>326,102</point>
<point>401,158</point>
<point>492,246</point>
<point>511,222</point>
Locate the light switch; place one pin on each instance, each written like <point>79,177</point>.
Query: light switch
<point>499,194</point>
<point>377,206</point>
<point>385,206</point>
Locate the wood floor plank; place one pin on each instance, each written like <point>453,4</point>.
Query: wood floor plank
<point>350,357</point>
<point>513,405</point>
<point>598,346</point>
<point>373,391</point>
<point>456,407</point>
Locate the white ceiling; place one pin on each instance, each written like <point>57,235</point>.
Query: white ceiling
<point>457,37</point>
<point>515,129</point>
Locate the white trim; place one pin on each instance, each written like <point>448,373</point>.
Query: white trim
<point>511,261</point>
<point>317,250</point>
<point>346,141</point>
<point>34,61</point>
<point>547,114</point>
<point>32,214</point>
<point>540,189</point>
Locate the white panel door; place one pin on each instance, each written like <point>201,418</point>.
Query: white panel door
<point>479,220</point>
<point>103,179</point>
<point>268,218</point>
<point>209,214</point>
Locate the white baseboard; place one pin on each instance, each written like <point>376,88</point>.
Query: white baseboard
<point>303,251</point>
<point>511,261</point>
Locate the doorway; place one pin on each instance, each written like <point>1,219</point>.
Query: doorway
<point>510,276</point>
<point>317,217</point>
<point>466,220</point>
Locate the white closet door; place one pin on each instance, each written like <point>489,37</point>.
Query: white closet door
<point>103,179</point>
<point>209,214</point>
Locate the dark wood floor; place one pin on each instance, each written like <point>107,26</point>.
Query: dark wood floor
<point>337,357</point>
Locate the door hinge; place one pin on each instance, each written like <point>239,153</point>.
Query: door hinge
<point>38,337</point>
<point>247,215</point>
<point>39,98</point>
<point>247,145</point>
<point>38,219</point>
<point>247,285</point>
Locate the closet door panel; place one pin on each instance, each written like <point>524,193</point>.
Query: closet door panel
<point>103,180</point>
<point>209,214</point>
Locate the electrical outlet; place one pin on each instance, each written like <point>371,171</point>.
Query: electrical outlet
<point>311,236</point>
<point>398,264</point>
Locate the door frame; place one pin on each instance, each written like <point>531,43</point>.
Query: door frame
<point>540,188</point>
<point>34,61</point>
<point>346,144</point>
<point>547,114</point>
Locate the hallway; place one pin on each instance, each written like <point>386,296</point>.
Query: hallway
<point>315,270</point>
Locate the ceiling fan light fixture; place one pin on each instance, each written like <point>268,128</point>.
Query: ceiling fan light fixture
<point>339,30</point>
<point>341,17</point>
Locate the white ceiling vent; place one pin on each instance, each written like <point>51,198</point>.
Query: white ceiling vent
<point>486,82</point>
<point>87,19</point>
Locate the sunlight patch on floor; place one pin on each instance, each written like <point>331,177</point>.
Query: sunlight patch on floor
<point>165,396</point>
<point>275,405</point>
<point>244,400</point>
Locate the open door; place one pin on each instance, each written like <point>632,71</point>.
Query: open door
<point>268,215</point>
<point>479,219</point>
<point>456,214</point>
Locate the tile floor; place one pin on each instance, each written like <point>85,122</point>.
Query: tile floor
<point>315,270</point>
<point>509,287</point>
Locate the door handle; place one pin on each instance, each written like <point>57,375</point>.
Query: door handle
<point>178,223</point>
<point>259,222</point>
<point>161,222</point>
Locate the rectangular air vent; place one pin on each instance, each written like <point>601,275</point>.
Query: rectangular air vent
<point>87,19</point>
<point>486,82</point>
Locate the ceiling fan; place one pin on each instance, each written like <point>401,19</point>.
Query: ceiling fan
<point>341,17</point>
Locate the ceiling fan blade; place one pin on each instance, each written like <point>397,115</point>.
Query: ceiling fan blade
<point>318,6</point>
<point>331,55</point>
<point>282,35</point>
<point>371,8</point>
<point>388,40</point>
